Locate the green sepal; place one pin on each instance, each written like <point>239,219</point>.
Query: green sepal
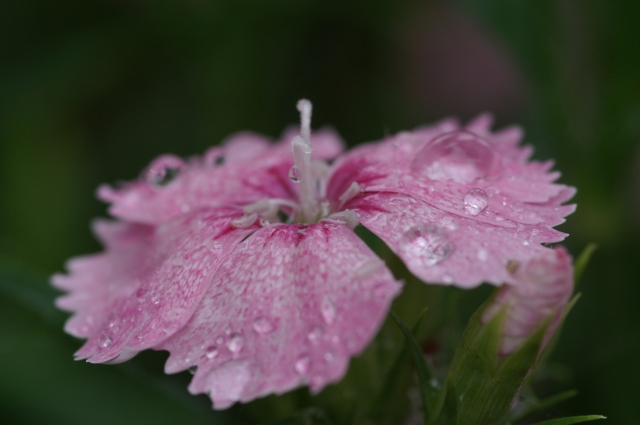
<point>571,420</point>
<point>581,262</point>
<point>539,405</point>
<point>482,384</point>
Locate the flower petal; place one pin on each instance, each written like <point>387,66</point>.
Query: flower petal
<point>290,306</point>
<point>440,247</point>
<point>516,191</point>
<point>148,282</point>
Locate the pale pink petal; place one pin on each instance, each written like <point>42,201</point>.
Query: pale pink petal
<point>440,247</point>
<point>445,168</point>
<point>289,307</point>
<point>148,282</point>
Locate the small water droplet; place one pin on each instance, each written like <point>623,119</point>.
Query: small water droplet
<point>517,206</point>
<point>105,340</point>
<point>427,244</point>
<point>193,369</point>
<point>114,325</point>
<point>535,232</point>
<point>219,340</point>
<point>211,352</point>
<point>294,174</point>
<point>236,343</point>
<point>262,326</point>
<point>457,156</point>
<point>328,356</point>
<point>302,365</point>
<point>315,335</point>
<point>328,311</point>
<point>447,279</point>
<point>525,243</point>
<point>483,255</point>
<point>155,298</point>
<point>141,293</point>
<point>164,170</point>
<point>475,201</point>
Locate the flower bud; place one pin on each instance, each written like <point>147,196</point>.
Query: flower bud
<point>543,287</point>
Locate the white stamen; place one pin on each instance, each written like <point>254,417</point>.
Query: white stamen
<point>348,217</point>
<point>244,221</point>
<point>353,191</point>
<point>304,106</point>
<point>301,148</point>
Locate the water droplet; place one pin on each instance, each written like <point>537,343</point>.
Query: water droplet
<point>517,206</point>
<point>212,352</point>
<point>525,243</point>
<point>141,293</point>
<point>105,340</point>
<point>475,201</point>
<point>114,325</point>
<point>427,244</point>
<point>483,255</point>
<point>315,335</point>
<point>236,343</point>
<point>302,365</point>
<point>458,156</point>
<point>219,340</point>
<point>294,174</point>
<point>164,170</point>
<point>328,311</point>
<point>262,325</point>
<point>192,369</point>
<point>328,356</point>
<point>447,279</point>
<point>155,298</point>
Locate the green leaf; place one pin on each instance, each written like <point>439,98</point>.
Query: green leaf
<point>544,404</point>
<point>422,368</point>
<point>581,262</point>
<point>310,416</point>
<point>571,420</point>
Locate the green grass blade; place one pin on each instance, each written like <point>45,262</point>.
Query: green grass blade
<point>571,420</point>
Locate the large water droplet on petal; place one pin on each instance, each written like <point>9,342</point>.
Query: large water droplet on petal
<point>164,170</point>
<point>262,325</point>
<point>459,156</point>
<point>302,365</point>
<point>428,244</point>
<point>235,343</point>
<point>475,201</point>
<point>294,174</point>
<point>105,340</point>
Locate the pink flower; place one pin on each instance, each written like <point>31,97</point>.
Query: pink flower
<point>244,263</point>
<point>542,290</point>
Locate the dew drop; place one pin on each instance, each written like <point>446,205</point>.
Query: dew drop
<point>193,369</point>
<point>155,298</point>
<point>457,156</point>
<point>164,170</point>
<point>483,255</point>
<point>211,352</point>
<point>105,340</point>
<point>329,356</point>
<point>262,326</point>
<point>427,244</point>
<point>302,365</point>
<point>235,343</point>
<point>219,340</point>
<point>294,174</point>
<point>328,311</point>
<point>315,335</point>
<point>447,279</point>
<point>475,201</point>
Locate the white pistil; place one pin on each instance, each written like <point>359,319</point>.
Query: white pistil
<point>348,217</point>
<point>301,148</point>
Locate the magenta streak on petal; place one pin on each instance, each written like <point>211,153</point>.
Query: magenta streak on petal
<point>323,294</point>
<point>148,282</point>
<point>440,247</point>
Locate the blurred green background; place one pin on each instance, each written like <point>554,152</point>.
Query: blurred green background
<point>91,91</point>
